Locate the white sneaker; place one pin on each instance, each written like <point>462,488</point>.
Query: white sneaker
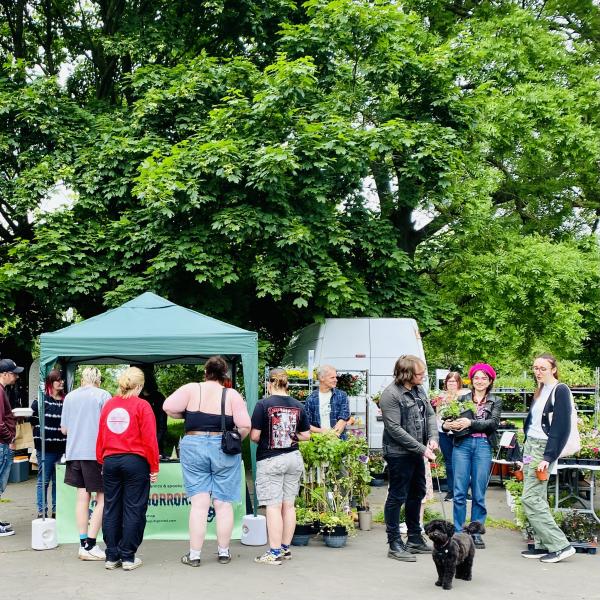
<point>111,565</point>
<point>95,553</point>
<point>129,565</point>
<point>403,528</point>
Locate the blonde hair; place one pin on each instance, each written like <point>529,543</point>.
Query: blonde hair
<point>130,379</point>
<point>91,376</point>
<point>279,378</point>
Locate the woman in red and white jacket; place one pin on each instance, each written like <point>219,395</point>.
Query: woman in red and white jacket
<point>128,450</point>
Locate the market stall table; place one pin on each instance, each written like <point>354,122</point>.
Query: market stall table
<point>168,508</point>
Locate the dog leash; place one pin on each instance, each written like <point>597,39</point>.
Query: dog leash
<point>437,477</point>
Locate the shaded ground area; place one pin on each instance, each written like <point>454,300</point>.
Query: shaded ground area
<point>361,570</point>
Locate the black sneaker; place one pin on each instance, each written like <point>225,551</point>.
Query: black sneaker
<point>6,531</point>
<point>286,554</point>
<point>553,557</point>
<point>223,559</point>
<point>535,553</point>
<point>399,551</point>
<point>5,524</point>
<point>448,497</point>
<point>478,541</point>
<point>418,545</point>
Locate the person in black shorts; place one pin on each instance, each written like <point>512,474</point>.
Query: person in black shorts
<point>80,418</point>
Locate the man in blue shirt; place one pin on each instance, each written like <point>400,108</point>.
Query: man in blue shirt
<point>327,407</point>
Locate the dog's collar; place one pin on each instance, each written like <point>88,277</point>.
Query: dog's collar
<point>446,546</point>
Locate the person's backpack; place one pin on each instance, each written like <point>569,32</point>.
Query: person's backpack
<point>573,445</point>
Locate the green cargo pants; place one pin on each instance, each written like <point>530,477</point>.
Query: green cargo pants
<point>547,534</point>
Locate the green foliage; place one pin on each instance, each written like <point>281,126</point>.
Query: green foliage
<point>274,163</point>
<point>579,527</point>
<point>336,472</point>
<point>455,408</point>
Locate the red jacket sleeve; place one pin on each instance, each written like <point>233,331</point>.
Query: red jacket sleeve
<point>148,435</point>
<point>100,438</point>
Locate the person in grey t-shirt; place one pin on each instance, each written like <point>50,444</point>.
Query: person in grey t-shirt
<point>80,418</point>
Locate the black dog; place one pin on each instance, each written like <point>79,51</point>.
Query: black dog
<point>452,553</point>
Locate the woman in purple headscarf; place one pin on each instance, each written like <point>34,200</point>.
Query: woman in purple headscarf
<point>474,439</point>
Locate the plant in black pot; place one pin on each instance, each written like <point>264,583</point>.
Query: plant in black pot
<point>456,409</point>
<point>335,527</point>
<point>305,526</point>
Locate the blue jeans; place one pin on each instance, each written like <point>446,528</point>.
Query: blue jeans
<point>50,460</point>
<point>447,448</point>
<point>471,460</point>
<point>6,461</point>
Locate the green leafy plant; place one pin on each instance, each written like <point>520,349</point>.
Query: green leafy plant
<point>306,516</point>
<point>455,408</point>
<point>330,519</point>
<point>336,473</point>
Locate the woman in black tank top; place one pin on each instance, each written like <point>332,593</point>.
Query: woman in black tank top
<point>209,473</point>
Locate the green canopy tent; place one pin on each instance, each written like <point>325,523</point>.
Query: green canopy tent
<point>150,329</point>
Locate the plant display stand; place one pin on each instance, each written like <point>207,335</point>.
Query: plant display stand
<point>571,482</point>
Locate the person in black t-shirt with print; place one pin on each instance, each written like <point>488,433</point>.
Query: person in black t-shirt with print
<point>279,422</point>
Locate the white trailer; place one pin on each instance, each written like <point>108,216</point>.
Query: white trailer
<point>360,344</point>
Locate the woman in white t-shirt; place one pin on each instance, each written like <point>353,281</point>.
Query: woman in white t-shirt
<point>547,429</point>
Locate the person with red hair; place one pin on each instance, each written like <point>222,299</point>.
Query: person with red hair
<point>55,441</point>
<point>474,439</point>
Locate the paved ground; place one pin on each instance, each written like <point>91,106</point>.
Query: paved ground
<point>361,570</point>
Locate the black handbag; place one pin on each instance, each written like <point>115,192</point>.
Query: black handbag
<point>231,442</point>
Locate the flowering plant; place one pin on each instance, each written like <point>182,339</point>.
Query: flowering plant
<point>353,385</point>
<point>376,464</point>
<point>298,393</point>
<point>589,452</point>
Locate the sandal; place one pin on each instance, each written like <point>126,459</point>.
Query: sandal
<point>191,562</point>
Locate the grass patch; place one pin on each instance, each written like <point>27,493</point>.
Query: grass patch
<point>502,524</point>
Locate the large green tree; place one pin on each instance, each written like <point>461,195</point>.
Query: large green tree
<point>272,163</point>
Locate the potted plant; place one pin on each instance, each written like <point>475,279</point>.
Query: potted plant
<point>456,409</point>
<point>581,529</point>
<point>352,384</point>
<point>335,527</point>
<point>305,526</point>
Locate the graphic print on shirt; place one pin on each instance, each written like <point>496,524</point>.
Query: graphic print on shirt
<point>283,421</point>
<point>118,420</point>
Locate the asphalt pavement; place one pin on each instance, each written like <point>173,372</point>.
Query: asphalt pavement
<point>360,570</point>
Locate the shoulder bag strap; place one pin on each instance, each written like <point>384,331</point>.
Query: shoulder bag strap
<point>223,409</point>
<point>199,396</point>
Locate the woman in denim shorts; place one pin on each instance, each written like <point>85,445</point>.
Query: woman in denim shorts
<point>278,423</point>
<point>207,471</point>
